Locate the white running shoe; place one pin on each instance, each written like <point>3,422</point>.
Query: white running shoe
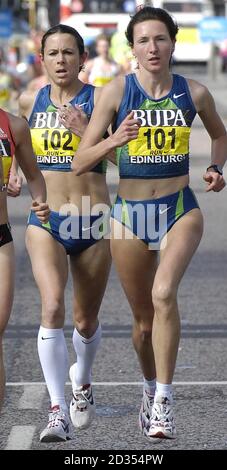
<point>162,420</point>
<point>145,412</point>
<point>58,428</point>
<point>82,406</point>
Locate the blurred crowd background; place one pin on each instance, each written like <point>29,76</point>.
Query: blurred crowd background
<point>102,25</point>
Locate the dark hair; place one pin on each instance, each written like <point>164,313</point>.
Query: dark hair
<point>151,13</point>
<point>63,28</point>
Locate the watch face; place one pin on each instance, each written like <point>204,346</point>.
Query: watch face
<point>218,169</point>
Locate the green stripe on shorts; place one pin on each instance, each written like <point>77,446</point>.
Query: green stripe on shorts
<point>125,215</point>
<point>180,205</point>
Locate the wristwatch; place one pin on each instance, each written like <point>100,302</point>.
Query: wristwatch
<point>216,168</point>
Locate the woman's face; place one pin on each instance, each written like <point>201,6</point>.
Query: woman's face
<point>102,47</point>
<point>61,58</point>
<point>153,46</point>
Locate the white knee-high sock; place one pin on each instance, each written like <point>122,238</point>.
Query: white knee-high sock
<point>53,357</point>
<point>86,349</point>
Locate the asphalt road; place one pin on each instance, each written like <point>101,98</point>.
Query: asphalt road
<point>201,372</point>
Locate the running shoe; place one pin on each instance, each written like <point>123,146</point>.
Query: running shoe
<point>162,420</point>
<point>145,412</point>
<point>58,428</point>
<point>82,406</point>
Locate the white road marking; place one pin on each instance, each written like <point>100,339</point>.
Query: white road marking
<point>116,384</point>
<point>20,438</point>
<point>32,397</point>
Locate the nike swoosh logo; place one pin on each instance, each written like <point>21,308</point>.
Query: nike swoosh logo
<point>49,337</point>
<point>162,211</point>
<point>178,96</point>
<point>88,342</point>
<point>86,228</point>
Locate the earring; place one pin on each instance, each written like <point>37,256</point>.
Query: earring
<point>135,62</point>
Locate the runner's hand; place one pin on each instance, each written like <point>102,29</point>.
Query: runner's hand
<point>73,118</point>
<point>215,181</point>
<point>42,211</point>
<point>14,185</point>
<point>128,130</point>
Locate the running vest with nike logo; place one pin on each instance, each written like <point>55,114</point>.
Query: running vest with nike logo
<point>53,144</point>
<point>162,147</point>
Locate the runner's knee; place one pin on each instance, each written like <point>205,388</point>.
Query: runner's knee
<point>163,297</point>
